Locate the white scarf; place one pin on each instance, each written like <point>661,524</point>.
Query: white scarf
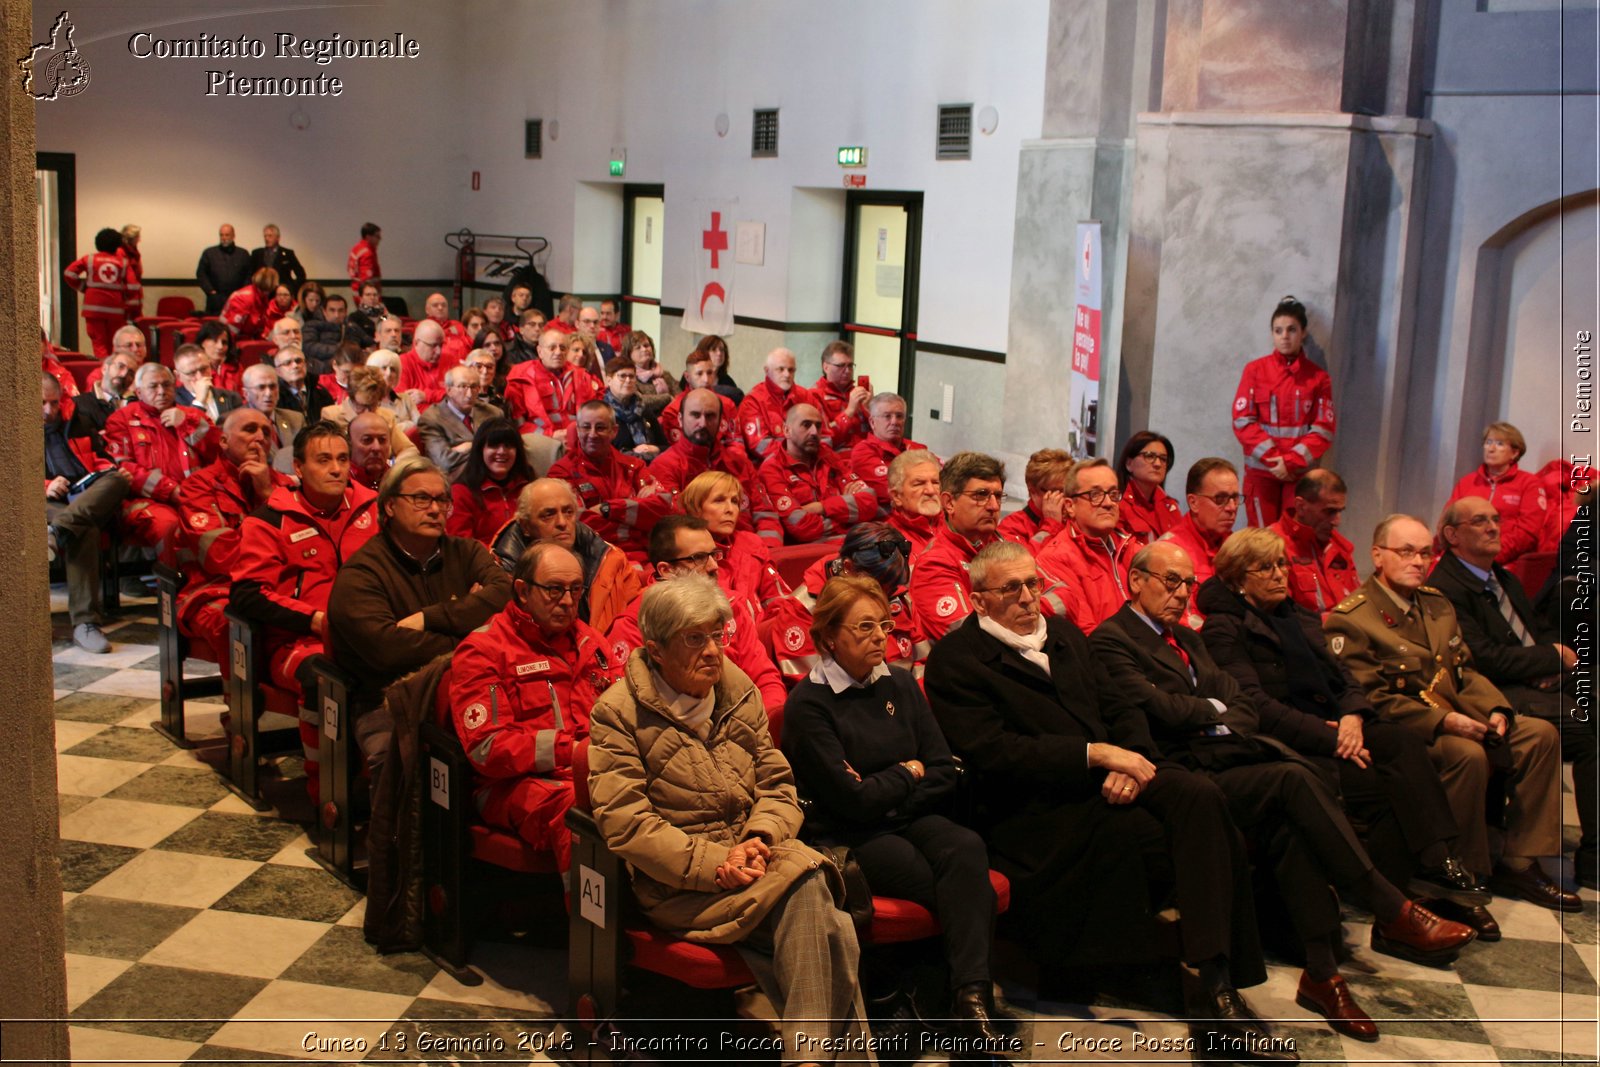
<point>1029,646</point>
<point>691,711</point>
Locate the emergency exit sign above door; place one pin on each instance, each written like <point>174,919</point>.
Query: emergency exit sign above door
<point>852,156</point>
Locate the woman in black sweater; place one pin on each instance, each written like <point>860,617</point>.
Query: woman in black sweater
<point>868,753</point>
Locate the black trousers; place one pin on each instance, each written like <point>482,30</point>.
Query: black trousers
<point>1578,744</point>
<point>945,868</point>
<point>1292,814</point>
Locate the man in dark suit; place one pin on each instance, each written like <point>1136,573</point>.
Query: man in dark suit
<point>296,390</point>
<point>281,259</point>
<point>1513,649</point>
<point>1199,718</point>
<point>447,427</point>
<point>223,269</point>
<point>1073,800</point>
<point>194,385</point>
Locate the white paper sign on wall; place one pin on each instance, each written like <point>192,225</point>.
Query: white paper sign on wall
<point>750,243</point>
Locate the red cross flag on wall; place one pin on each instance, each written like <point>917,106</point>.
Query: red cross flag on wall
<point>708,307</point>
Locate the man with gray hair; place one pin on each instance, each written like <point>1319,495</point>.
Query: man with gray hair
<point>764,411</point>
<point>548,510</point>
<point>913,482</point>
<point>447,427</point>
<point>159,444</point>
<point>195,384</point>
<point>520,693</point>
<point>420,368</point>
<point>130,341</point>
<point>1089,555</point>
<point>872,455</point>
<point>297,391</point>
<point>259,386</point>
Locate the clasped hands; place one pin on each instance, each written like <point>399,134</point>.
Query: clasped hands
<point>746,862</point>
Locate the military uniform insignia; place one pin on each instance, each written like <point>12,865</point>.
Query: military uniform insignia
<point>1337,644</point>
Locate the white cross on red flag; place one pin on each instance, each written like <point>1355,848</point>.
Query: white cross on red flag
<point>709,307</point>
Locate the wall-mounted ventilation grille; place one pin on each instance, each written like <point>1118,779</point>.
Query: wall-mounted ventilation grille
<point>533,138</point>
<point>764,133</point>
<point>955,132</point>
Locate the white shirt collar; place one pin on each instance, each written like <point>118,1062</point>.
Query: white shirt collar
<point>828,672</point>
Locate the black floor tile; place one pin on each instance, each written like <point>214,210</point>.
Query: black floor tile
<point>121,929</point>
<point>83,863</point>
<point>248,837</point>
<point>291,893</point>
<point>168,1002</point>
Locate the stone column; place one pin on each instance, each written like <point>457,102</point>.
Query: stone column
<point>33,981</point>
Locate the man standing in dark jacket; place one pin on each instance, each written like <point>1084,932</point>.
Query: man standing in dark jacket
<point>224,268</point>
<point>281,259</point>
<point>1512,648</point>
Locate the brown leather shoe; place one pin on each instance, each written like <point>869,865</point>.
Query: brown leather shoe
<point>1333,1000</point>
<point>1531,884</point>
<point>1476,917</point>
<point>1421,936</point>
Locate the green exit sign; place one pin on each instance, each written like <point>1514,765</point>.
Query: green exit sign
<point>852,156</point>
<point>616,167</point>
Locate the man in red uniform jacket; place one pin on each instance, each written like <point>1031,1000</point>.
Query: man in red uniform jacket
<point>545,392</point>
<point>289,552</point>
<point>1283,416</point>
<point>871,455</point>
<point>1043,516</point>
<point>914,491</point>
<point>701,373</point>
<point>1214,498</point>
<point>214,502</point>
<point>842,400</point>
<point>971,488</point>
<point>111,290</point>
<point>362,264</point>
<point>682,544</point>
<point>804,493</point>
<point>621,497</point>
<point>700,449</point>
<point>159,444</point>
<point>612,331</point>
<point>766,406</point>
<point>1322,565</point>
<point>1089,556</point>
<point>249,312</point>
<point>457,342</point>
<point>520,694</point>
<point>421,368</point>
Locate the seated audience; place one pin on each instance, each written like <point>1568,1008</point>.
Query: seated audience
<point>283,332</point>
<point>612,330</point>
<point>870,550</point>
<point>1400,640</point>
<point>447,427</point>
<point>547,510</point>
<point>259,387</point>
<point>1198,718</point>
<point>764,411</point>
<point>289,553</point>
<point>545,393</point>
<point>1322,564</point>
<point>389,336</point>
<point>746,570</point>
<point>803,491</point>
<point>159,445</point>
<point>247,309</point>
<point>700,448</point>
<point>524,346</point>
<point>584,352</point>
<point>333,330</point>
<point>297,391</point>
<point>1518,495</point>
<point>690,791</point>
<point>402,405</point>
<point>1142,469</point>
<point>841,398</point>
<point>484,360</point>
<point>413,592</point>
<point>718,348</point>
<point>913,481</point>
<point>521,690</point>
<point>367,390</point>
<point>1212,486</point>
<point>639,434</point>
<point>110,393</point>
<point>1515,651</point>
<point>309,298</point>
<point>621,501</point>
<point>494,314</point>
<point>867,751</point>
<point>681,545</point>
<point>83,495</point>
<point>493,473</point>
<point>336,383</point>
<point>422,369</point>
<point>638,349</point>
<point>886,439</point>
<point>1089,556</point>
<point>216,341</point>
<point>971,490</point>
<point>197,388</point>
<point>1042,517</point>
<point>370,308</point>
<point>371,448</point>
<point>700,373</point>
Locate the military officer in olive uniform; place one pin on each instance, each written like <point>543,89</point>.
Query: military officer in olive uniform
<point>1400,639</point>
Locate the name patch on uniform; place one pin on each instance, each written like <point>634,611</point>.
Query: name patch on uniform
<point>534,667</point>
<point>302,535</point>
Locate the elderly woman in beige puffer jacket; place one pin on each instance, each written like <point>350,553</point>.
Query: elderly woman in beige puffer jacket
<point>690,791</point>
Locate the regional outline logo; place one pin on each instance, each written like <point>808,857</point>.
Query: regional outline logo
<point>66,72</point>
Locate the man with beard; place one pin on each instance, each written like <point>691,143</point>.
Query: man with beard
<point>913,482</point>
<point>700,448</point>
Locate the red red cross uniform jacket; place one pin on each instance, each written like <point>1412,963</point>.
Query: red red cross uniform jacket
<point>671,421</point>
<point>426,377</point>
<point>520,701</point>
<point>247,312</point>
<point>111,295</point>
<point>457,343</point>
<point>478,511</point>
<point>870,458</point>
<point>547,403</point>
<point>761,416</point>
<point>784,485</point>
<point>1146,521</point>
<point>747,571</point>
<point>1093,572</point>
<point>941,592</point>
<point>682,460</point>
<point>362,264</point>
<point>1282,410</point>
<point>1187,536</point>
<point>1320,576</point>
<point>841,431</point>
<point>787,631</point>
<point>289,554</point>
<point>1520,498</point>
<point>623,497</point>
<point>1029,529</point>
<point>158,459</point>
<point>918,529</point>
<point>82,447</point>
<point>213,503</point>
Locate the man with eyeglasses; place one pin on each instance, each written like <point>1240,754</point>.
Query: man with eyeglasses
<point>545,393</point>
<point>1090,556</point>
<point>521,690</point>
<point>549,510</point>
<point>296,389</point>
<point>447,427</point>
<point>1073,799</point>
<point>872,455</point>
<point>873,550</point>
<point>841,398</point>
<point>589,327</point>
<point>420,368</point>
<point>804,493</point>
<point>413,592</point>
<point>290,550</point>
<point>621,500</point>
<point>680,545</point>
<point>765,408</point>
<point>195,388</point>
<point>1322,566</point>
<point>1402,642</point>
<point>1214,498</point>
<point>259,387</point>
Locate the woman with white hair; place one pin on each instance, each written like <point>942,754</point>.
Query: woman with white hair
<point>387,364</point>
<point>689,790</point>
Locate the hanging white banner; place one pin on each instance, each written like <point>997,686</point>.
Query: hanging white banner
<point>709,308</point>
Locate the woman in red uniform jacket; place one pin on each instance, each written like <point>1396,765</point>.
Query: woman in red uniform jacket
<point>484,496</point>
<point>1518,495</point>
<point>1147,511</point>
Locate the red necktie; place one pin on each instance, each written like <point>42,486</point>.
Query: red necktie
<point>1167,635</point>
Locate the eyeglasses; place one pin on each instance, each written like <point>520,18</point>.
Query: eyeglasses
<point>557,593</point>
<point>1154,457</point>
<point>1170,580</point>
<point>1096,497</point>
<point>1407,553</point>
<point>868,627</point>
<point>697,639</point>
<point>292,361</point>
<point>424,501</point>
<point>1480,521</point>
<point>982,497</point>
<point>1013,588</point>
<point>1275,567</point>
<point>698,559</point>
<point>1222,500</point>
<point>1496,441</point>
<point>846,366</point>
<point>880,550</point>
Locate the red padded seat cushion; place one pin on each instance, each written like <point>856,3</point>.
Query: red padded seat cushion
<point>507,850</point>
<point>690,962</point>
<point>895,920</point>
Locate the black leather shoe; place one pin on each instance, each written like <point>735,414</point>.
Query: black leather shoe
<point>1477,917</point>
<point>973,1012</point>
<point>1450,881</point>
<point>1533,886</point>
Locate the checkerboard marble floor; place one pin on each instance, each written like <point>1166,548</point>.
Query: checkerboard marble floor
<point>198,929</point>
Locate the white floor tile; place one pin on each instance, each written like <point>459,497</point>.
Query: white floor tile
<point>294,854</point>
<point>90,776</point>
<point>256,946</point>
<point>121,655</point>
<point>1529,1018</point>
<point>132,823</point>
<point>69,733</point>
<point>180,878</point>
<point>87,975</point>
<point>128,683</point>
<point>91,1045</point>
<point>278,1020</point>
